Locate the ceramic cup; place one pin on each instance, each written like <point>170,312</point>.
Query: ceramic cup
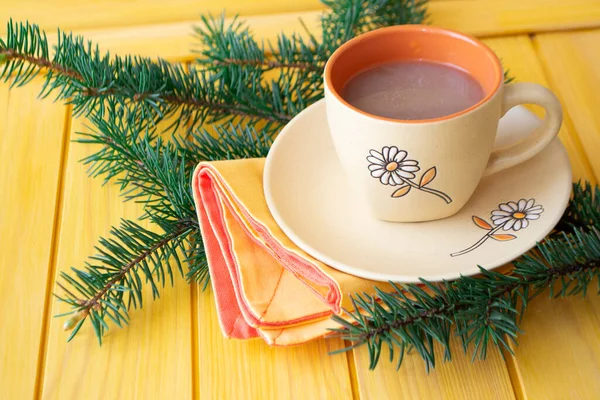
<point>419,170</point>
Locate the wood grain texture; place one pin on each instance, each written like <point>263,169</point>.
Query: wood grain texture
<point>177,41</point>
<point>519,57</point>
<point>31,143</point>
<point>481,17</point>
<point>459,379</point>
<point>251,370</point>
<point>492,17</point>
<point>149,359</point>
<point>77,14</point>
<point>155,30</point>
<point>572,61</point>
<point>558,356</point>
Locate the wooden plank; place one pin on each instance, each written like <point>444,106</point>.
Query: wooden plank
<point>31,143</point>
<point>481,17</point>
<point>492,17</point>
<point>89,15</point>
<point>76,14</point>
<point>571,61</point>
<point>519,57</point>
<point>566,327</point>
<point>233,369</point>
<point>558,353</point>
<point>177,41</point>
<point>459,379</point>
<point>173,38</point>
<point>148,359</point>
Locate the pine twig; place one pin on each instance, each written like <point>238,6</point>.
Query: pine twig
<point>141,97</point>
<point>110,289</point>
<point>449,310</point>
<point>583,213</point>
<point>119,276</point>
<point>479,309</point>
<point>145,88</point>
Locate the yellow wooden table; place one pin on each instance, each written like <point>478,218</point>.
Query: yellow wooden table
<point>51,215</point>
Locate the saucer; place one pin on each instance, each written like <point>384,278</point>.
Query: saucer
<point>308,194</point>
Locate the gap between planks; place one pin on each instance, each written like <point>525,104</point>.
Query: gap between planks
<point>56,229</point>
<point>583,155</point>
<point>194,341</point>
<point>514,373</point>
<point>194,287</point>
<point>352,371</point>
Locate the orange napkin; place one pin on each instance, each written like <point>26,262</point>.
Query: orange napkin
<point>264,285</point>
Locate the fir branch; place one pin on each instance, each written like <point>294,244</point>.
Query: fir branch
<point>481,310</point>
<point>350,18</point>
<point>147,169</point>
<point>148,90</point>
<point>139,258</point>
<point>585,212</point>
<point>228,109</point>
<point>240,62</point>
<point>226,143</point>
<point>196,259</point>
<point>111,284</point>
<point>153,90</point>
<point>157,174</point>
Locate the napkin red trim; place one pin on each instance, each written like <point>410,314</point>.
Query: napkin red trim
<point>235,315</point>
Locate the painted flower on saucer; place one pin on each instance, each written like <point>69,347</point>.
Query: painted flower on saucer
<point>393,167</point>
<point>511,216</point>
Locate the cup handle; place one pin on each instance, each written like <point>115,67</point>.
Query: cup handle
<point>527,93</point>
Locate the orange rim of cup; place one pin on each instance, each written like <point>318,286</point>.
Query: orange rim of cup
<point>414,42</point>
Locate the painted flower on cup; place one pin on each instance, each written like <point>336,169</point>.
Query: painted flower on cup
<point>393,167</point>
<point>511,216</point>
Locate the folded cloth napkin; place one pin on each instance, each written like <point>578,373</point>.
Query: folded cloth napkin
<point>264,285</point>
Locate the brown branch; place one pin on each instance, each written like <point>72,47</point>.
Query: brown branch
<point>126,268</point>
<point>180,101</point>
<point>229,108</point>
<point>269,64</point>
<point>190,101</point>
<point>41,62</point>
<point>137,97</point>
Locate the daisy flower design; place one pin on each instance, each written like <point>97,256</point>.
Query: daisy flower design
<point>393,167</point>
<point>511,216</point>
<point>516,216</point>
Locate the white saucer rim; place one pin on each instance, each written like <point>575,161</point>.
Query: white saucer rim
<point>386,277</point>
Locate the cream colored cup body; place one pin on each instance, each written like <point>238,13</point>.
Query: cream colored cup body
<point>458,148</point>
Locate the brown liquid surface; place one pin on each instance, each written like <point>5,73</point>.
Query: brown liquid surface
<point>412,90</point>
